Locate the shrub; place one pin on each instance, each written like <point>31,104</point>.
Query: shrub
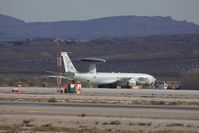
<point>82,115</point>
<point>52,99</point>
<point>116,122</point>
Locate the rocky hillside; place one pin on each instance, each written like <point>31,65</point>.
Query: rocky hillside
<point>159,55</point>
<point>15,29</point>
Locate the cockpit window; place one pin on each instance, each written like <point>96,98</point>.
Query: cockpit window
<point>143,79</point>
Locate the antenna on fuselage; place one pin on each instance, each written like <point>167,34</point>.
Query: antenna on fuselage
<point>92,63</point>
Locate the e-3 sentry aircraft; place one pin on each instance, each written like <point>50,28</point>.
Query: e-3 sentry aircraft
<point>102,79</point>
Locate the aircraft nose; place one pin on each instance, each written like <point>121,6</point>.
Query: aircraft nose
<point>153,80</point>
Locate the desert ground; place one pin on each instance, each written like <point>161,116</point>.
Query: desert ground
<point>37,109</point>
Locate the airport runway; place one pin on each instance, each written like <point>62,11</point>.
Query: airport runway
<point>111,110</point>
<point>113,92</point>
<point>99,105</point>
<point>100,110</point>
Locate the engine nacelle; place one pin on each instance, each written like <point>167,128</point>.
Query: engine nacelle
<point>142,81</point>
<point>132,81</point>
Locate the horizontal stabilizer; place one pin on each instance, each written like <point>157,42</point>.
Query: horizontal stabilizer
<point>62,77</point>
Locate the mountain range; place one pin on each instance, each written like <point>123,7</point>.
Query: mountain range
<point>117,26</point>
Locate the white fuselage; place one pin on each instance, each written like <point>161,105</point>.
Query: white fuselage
<point>108,78</point>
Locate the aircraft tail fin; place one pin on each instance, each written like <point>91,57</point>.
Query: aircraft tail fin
<point>68,65</point>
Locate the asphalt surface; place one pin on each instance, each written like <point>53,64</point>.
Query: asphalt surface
<point>184,112</point>
<point>113,92</point>
<point>97,105</point>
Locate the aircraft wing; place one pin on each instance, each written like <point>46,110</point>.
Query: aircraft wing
<point>119,82</point>
<point>62,77</point>
<point>51,72</point>
<point>123,81</point>
<point>67,75</point>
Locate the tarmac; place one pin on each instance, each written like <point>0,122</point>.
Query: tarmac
<point>99,110</point>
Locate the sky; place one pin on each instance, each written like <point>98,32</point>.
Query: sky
<point>56,10</point>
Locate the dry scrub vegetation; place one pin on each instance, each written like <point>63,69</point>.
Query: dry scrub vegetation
<point>95,99</point>
<point>81,129</point>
